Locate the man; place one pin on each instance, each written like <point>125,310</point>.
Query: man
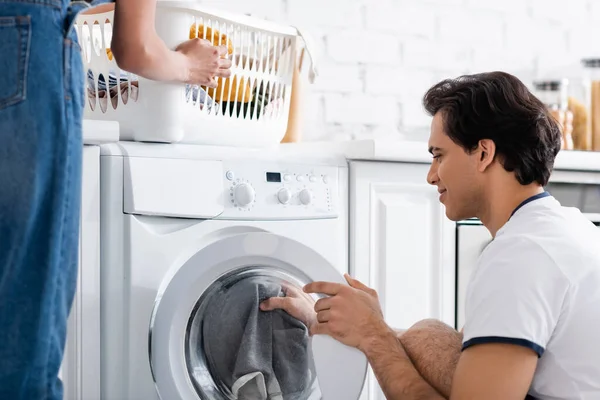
<point>533,305</point>
<point>41,107</point>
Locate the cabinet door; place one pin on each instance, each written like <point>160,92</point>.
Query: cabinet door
<point>80,370</point>
<point>402,245</point>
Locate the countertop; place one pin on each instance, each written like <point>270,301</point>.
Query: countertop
<point>416,152</point>
<point>384,150</point>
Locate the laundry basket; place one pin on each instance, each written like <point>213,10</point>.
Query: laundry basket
<point>249,109</point>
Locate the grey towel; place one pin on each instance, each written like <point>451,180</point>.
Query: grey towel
<point>256,354</point>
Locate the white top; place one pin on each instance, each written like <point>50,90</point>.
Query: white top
<point>537,285</point>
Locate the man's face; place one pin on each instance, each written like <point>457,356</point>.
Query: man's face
<point>454,172</point>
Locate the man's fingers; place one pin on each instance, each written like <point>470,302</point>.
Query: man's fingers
<point>329,288</point>
<point>275,303</point>
<point>323,304</point>
<point>291,290</point>
<point>355,283</point>
<point>323,316</point>
<point>319,329</point>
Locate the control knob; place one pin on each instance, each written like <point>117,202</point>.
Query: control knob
<point>284,195</point>
<point>305,197</point>
<point>243,194</point>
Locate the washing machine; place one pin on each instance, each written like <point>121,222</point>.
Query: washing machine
<point>193,238</point>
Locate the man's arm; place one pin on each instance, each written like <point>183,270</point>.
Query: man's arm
<point>494,371</point>
<point>397,377</point>
<point>434,349</point>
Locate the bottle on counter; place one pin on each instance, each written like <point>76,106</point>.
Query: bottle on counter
<point>554,94</point>
<point>591,80</point>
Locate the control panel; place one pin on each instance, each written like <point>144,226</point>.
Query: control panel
<point>274,190</point>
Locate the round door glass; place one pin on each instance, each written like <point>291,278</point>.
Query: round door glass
<point>234,350</point>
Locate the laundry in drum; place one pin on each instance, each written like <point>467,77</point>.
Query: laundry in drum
<point>248,353</point>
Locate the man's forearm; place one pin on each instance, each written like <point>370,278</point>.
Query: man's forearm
<point>434,349</point>
<point>394,370</point>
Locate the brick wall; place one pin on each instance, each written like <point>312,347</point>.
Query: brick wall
<point>376,58</point>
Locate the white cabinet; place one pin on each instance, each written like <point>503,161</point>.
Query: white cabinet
<point>80,370</point>
<point>402,245</point>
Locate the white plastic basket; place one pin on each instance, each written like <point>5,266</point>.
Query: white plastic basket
<point>249,109</point>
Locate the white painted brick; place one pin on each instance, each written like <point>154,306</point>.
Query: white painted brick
<point>404,18</point>
<point>475,27</point>
<point>417,83</point>
<point>579,41</point>
<point>441,2</point>
<point>595,10</point>
<point>487,60</point>
<point>418,53</point>
<point>413,113</point>
<point>397,49</point>
<point>341,78</point>
<point>363,47</point>
<point>313,121</point>
<point>526,36</point>
<point>508,7</point>
<point>361,109</point>
<point>272,10</point>
<point>398,81</point>
<point>381,80</point>
<point>318,35</point>
<point>422,53</point>
<point>346,14</point>
<point>559,10</point>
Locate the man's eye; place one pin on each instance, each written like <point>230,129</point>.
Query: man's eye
<point>436,156</point>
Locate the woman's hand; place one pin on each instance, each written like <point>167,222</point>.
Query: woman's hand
<point>205,62</point>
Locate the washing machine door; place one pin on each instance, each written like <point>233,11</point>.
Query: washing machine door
<point>210,340</point>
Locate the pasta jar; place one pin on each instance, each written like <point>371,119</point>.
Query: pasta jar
<point>554,94</point>
<point>591,78</point>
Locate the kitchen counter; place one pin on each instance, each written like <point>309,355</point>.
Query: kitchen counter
<point>416,152</point>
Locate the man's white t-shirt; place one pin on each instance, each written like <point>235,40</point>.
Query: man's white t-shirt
<point>537,285</point>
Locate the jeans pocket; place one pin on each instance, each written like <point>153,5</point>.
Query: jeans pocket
<point>15,35</point>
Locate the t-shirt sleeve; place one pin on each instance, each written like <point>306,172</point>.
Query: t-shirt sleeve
<point>515,297</point>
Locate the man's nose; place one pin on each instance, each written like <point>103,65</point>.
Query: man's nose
<point>432,177</point>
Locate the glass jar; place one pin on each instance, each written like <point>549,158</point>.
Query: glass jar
<point>591,79</point>
<point>554,94</point>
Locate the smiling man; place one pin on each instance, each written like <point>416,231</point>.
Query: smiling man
<point>533,304</point>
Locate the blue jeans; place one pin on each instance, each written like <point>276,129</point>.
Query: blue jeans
<point>41,111</point>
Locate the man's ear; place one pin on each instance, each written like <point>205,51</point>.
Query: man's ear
<point>487,154</point>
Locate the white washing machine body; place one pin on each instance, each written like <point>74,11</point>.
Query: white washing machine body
<point>181,224</point>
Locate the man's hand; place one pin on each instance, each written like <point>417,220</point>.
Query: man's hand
<point>352,314</point>
<point>296,303</point>
<point>205,62</point>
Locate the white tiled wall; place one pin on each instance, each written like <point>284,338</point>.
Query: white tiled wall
<point>377,57</point>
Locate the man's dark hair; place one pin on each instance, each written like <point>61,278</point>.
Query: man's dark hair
<point>498,106</point>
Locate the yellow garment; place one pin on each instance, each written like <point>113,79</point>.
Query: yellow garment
<point>217,39</point>
<point>109,54</point>
<point>237,88</point>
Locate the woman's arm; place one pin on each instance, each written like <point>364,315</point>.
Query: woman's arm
<point>138,49</point>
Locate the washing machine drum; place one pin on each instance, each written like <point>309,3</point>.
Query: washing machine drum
<point>250,353</point>
<point>210,340</point>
